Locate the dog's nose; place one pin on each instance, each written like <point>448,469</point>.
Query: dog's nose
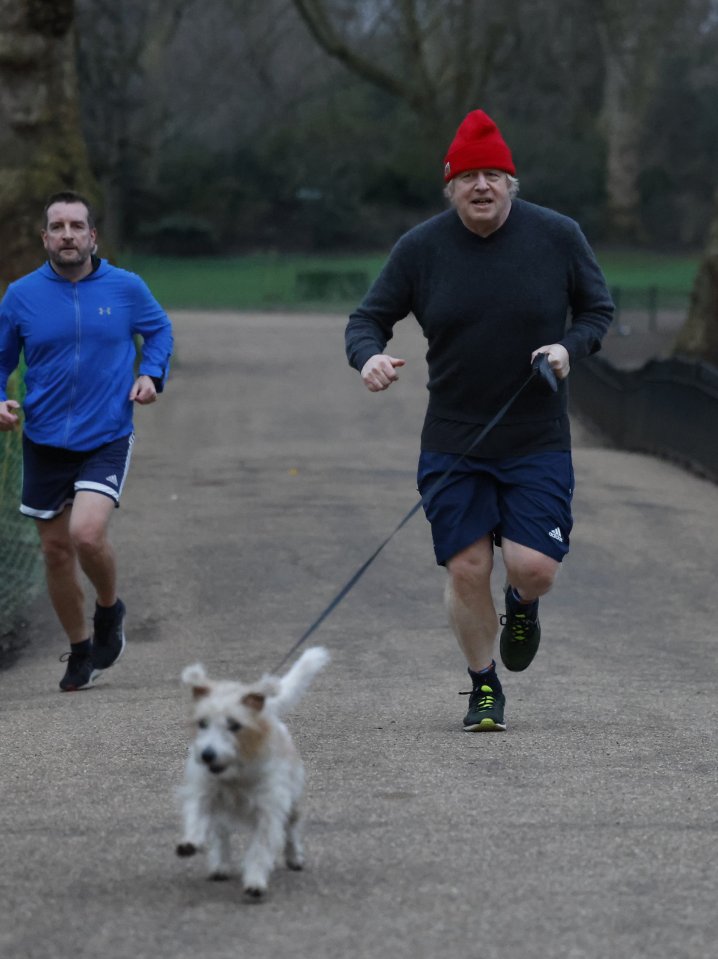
<point>208,755</point>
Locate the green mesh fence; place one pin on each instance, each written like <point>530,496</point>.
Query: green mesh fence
<point>20,560</point>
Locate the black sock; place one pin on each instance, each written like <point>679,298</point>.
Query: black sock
<point>486,677</point>
<point>522,604</point>
<point>83,648</point>
<point>106,612</point>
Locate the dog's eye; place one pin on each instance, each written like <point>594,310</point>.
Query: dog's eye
<point>202,723</point>
<point>233,726</point>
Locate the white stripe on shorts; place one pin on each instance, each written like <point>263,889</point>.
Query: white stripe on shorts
<point>43,513</point>
<point>97,488</point>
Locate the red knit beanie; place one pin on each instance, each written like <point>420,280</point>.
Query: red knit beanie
<point>478,145</point>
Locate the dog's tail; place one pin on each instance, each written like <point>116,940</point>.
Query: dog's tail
<point>294,684</point>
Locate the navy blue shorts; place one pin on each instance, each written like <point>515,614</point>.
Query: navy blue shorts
<point>527,499</point>
<point>51,476</point>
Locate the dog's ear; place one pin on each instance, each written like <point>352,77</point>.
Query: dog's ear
<point>254,701</point>
<point>196,677</point>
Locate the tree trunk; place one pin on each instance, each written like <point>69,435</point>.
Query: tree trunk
<point>623,129</point>
<point>698,339</point>
<point>634,39</point>
<point>41,145</point>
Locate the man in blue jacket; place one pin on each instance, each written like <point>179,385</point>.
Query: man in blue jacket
<point>75,319</point>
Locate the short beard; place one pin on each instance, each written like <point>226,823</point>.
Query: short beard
<point>79,259</point>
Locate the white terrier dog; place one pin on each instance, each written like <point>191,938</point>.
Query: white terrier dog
<point>243,765</point>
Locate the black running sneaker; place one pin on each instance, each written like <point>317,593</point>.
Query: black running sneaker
<point>108,640</point>
<point>521,634</point>
<point>486,711</point>
<point>79,673</point>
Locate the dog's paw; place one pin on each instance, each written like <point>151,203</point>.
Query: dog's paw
<point>254,893</point>
<point>186,849</point>
<point>295,863</point>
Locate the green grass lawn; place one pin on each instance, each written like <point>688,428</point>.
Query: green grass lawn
<point>260,281</point>
<point>269,281</point>
<point>633,270</point>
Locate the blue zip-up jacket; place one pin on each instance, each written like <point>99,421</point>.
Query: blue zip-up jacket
<point>78,341</point>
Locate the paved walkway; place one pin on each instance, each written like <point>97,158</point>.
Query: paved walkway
<point>261,481</point>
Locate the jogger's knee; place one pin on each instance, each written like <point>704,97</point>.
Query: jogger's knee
<point>57,553</point>
<point>534,576</point>
<point>471,567</point>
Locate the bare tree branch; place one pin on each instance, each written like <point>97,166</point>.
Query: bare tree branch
<point>316,17</point>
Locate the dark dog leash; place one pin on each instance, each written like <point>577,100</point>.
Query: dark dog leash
<point>539,368</point>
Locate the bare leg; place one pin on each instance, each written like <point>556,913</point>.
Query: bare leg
<point>530,573</point>
<point>472,613</point>
<point>75,541</point>
<point>89,521</point>
<point>62,572</point>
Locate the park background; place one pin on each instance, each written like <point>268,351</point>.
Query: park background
<point>237,164</point>
<point>265,154</point>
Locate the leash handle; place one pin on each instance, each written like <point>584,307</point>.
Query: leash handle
<point>537,369</point>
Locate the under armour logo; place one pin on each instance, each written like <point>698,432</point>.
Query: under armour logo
<point>104,310</point>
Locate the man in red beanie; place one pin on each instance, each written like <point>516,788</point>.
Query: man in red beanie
<point>491,281</point>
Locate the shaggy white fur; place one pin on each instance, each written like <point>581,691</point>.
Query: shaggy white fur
<point>243,766</point>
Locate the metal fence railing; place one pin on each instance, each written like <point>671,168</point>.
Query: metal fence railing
<point>648,310</point>
<point>667,408</point>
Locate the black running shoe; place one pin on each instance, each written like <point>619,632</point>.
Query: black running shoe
<point>79,673</point>
<point>486,711</point>
<point>108,640</point>
<point>521,634</point>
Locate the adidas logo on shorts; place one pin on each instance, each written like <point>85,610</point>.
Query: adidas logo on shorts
<point>556,534</point>
<point>113,479</point>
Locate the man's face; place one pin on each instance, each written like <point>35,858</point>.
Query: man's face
<point>68,238</point>
<point>481,198</point>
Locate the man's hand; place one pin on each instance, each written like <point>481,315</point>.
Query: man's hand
<point>379,372</point>
<point>143,390</point>
<point>8,419</point>
<point>557,359</point>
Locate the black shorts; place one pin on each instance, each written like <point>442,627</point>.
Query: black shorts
<point>527,499</point>
<point>51,476</point>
